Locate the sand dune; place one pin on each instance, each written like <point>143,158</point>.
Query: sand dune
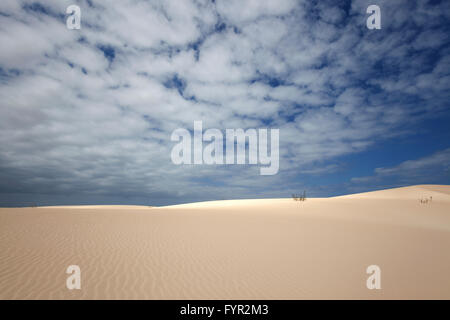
<point>107,207</point>
<point>238,249</point>
<point>414,192</point>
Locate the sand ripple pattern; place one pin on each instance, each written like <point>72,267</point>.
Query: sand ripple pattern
<point>274,249</point>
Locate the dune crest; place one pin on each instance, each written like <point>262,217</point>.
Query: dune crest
<point>107,207</point>
<point>440,192</point>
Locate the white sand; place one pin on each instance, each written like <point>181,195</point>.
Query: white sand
<point>239,249</point>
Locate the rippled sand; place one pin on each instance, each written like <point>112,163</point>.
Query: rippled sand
<point>241,249</point>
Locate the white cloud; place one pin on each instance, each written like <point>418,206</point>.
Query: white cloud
<point>427,168</point>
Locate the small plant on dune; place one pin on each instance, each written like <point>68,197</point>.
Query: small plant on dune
<point>298,197</point>
<point>426,200</point>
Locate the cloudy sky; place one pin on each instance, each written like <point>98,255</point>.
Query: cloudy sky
<point>86,115</point>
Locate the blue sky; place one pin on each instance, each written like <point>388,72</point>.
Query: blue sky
<point>86,115</point>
